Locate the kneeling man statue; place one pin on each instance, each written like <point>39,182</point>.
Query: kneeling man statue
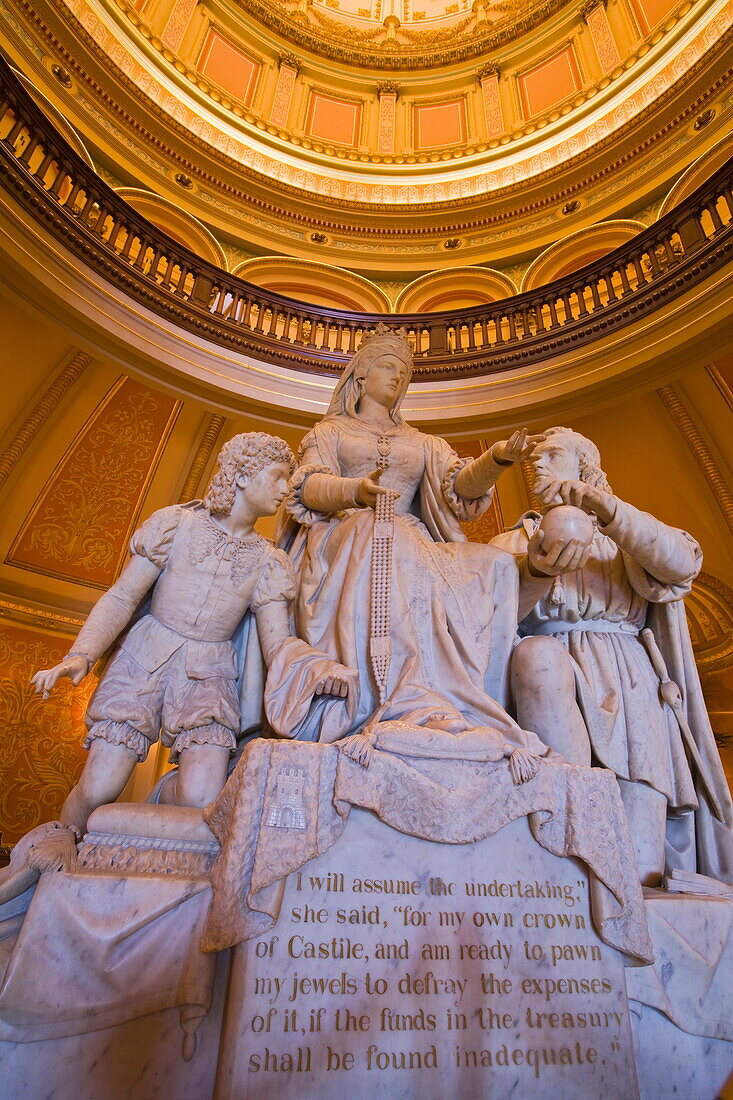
<point>605,672</point>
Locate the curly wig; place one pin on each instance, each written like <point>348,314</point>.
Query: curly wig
<point>243,454</point>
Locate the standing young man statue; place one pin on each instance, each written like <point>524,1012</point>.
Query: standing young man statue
<point>202,567</point>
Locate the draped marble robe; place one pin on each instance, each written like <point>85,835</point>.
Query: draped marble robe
<point>454,604</point>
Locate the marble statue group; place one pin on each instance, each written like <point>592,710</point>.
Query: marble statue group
<point>372,658</point>
<point>374,612</point>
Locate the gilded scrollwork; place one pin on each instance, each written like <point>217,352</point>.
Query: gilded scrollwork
<point>42,754</point>
<point>79,526</point>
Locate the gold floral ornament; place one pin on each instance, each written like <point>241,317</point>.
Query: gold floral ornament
<point>42,755</point>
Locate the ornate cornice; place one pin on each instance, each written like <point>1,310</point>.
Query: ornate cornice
<point>531,328</point>
<point>413,50</point>
<point>510,212</point>
<point>284,212</point>
<point>38,615</point>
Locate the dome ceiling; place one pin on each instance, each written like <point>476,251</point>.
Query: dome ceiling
<point>407,154</point>
<point>400,35</point>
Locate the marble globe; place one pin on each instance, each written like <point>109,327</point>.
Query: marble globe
<point>565,521</point>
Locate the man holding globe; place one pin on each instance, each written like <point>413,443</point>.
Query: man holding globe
<point>588,682</point>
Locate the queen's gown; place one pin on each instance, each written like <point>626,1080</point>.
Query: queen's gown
<point>453,603</point>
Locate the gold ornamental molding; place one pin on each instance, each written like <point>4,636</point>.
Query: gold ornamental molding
<point>710,616</point>
<point>402,47</point>
<point>289,60</point>
<point>40,616</point>
<point>700,451</point>
<point>722,386</point>
<point>491,68</point>
<point>44,408</point>
<point>72,247</point>
<point>202,457</point>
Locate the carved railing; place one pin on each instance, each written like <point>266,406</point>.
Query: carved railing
<point>57,187</point>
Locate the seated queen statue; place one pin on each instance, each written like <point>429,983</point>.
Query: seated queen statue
<point>388,583</point>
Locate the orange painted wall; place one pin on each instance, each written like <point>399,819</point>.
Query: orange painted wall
<point>42,754</point>
<point>335,120</point>
<point>438,125</point>
<point>651,12</point>
<point>228,67</point>
<point>549,83</point>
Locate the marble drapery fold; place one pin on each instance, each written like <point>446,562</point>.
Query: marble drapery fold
<point>573,811</point>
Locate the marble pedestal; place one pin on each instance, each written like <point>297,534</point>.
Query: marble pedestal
<point>682,1006</point>
<point>138,1060</point>
<point>397,967</point>
<point>401,968</point>
<point>670,1062</point>
<point>104,992</point>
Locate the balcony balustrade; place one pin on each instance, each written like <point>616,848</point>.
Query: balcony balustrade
<point>55,185</point>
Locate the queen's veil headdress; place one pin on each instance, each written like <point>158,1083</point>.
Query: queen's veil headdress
<point>348,390</point>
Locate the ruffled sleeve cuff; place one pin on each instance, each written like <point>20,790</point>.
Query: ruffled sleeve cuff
<point>153,540</point>
<point>463,508</point>
<point>293,504</point>
<point>276,583</point>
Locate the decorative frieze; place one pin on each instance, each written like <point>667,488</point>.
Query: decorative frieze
<point>387,92</point>
<point>488,78</point>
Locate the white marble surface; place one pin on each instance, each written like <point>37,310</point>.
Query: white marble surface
<point>462,982</point>
<point>97,949</point>
<point>140,1060</point>
<point>671,1063</point>
<point>690,981</point>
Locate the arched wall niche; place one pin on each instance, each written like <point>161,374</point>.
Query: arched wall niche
<point>457,288</point>
<point>316,283</point>
<point>710,617</point>
<point>577,250</point>
<point>183,227</point>
<point>701,170</point>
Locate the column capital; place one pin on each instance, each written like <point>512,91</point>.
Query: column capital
<point>388,87</point>
<point>290,60</point>
<point>487,70</point>
<point>589,6</point>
